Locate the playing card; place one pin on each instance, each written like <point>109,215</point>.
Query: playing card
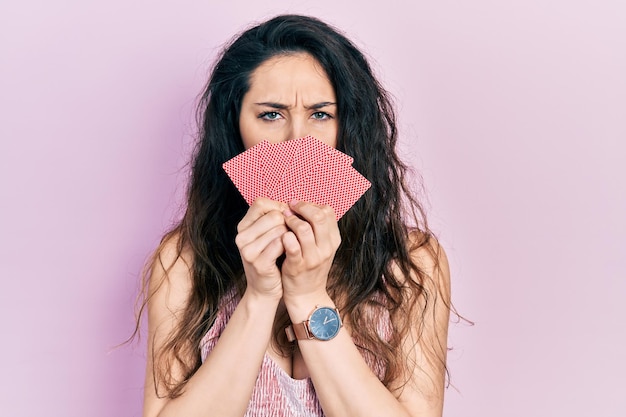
<point>332,183</point>
<point>277,158</point>
<point>303,169</point>
<point>308,151</point>
<point>246,172</point>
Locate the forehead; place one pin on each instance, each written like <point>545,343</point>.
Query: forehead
<point>291,73</point>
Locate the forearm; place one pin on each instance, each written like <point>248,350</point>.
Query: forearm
<point>343,381</point>
<point>224,383</point>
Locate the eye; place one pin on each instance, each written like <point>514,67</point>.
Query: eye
<point>270,115</point>
<point>320,115</point>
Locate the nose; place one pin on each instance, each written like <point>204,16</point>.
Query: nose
<point>296,129</point>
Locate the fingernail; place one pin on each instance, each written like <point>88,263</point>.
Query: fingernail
<point>288,213</point>
<point>293,202</point>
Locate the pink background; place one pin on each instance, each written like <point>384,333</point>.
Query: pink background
<point>513,111</point>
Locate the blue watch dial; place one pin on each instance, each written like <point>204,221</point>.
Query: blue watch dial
<point>324,323</point>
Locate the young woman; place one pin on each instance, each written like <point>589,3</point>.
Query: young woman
<point>365,300</point>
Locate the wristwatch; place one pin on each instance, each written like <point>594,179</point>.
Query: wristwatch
<point>323,324</point>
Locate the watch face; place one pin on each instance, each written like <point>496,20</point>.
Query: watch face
<point>324,323</point>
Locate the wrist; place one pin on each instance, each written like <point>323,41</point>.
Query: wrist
<point>300,307</point>
<point>323,323</point>
<point>259,303</point>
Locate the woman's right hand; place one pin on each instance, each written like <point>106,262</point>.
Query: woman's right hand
<point>259,241</point>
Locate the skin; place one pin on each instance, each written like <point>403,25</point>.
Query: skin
<point>290,97</point>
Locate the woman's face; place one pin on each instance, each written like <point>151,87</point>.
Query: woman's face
<point>290,97</point>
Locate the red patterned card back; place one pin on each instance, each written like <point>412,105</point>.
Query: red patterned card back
<point>302,169</point>
<point>246,172</point>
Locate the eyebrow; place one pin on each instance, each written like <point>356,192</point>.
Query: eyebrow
<point>281,106</point>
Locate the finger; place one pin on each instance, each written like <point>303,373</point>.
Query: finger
<point>262,224</point>
<point>272,251</point>
<point>254,249</point>
<point>292,247</point>
<point>265,265</point>
<point>321,219</point>
<point>259,207</point>
<point>302,231</point>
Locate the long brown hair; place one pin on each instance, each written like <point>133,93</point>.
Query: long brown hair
<point>375,231</point>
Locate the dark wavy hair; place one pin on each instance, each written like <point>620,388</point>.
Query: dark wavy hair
<point>378,233</point>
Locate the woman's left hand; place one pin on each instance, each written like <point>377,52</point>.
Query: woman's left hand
<point>310,246</point>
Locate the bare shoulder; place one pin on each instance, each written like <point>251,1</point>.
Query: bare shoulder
<point>170,276</point>
<point>424,346</point>
<point>431,260</point>
<point>167,295</point>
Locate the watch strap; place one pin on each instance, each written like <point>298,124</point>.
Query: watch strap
<point>298,331</point>
<point>302,331</point>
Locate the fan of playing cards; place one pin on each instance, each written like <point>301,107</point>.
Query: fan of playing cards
<point>304,169</point>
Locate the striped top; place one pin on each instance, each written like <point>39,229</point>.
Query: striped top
<point>276,393</point>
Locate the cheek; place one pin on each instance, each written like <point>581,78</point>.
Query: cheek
<point>330,136</point>
<point>248,142</point>
<point>247,132</point>
<point>332,142</point>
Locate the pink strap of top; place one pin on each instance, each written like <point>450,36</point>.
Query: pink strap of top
<point>276,393</point>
